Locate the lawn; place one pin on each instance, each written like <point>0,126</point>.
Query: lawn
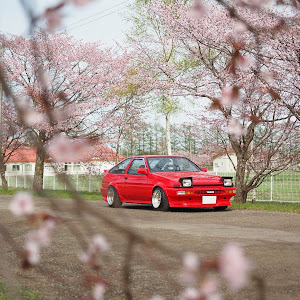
<point>25,294</point>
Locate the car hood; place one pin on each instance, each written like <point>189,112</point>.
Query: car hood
<point>199,178</point>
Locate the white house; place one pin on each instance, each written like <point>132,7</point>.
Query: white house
<point>22,162</point>
<point>224,162</point>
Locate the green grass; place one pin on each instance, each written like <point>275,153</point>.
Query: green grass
<point>55,194</point>
<point>268,206</point>
<point>25,294</point>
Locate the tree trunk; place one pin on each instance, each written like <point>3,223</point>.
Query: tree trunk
<point>2,174</point>
<point>39,163</point>
<point>168,134</point>
<point>241,192</point>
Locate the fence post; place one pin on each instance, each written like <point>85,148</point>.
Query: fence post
<point>89,183</point>
<point>54,182</point>
<point>16,181</point>
<point>271,187</point>
<point>77,182</point>
<point>8,181</point>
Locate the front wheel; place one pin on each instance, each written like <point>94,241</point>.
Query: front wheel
<point>159,199</point>
<point>220,208</point>
<point>113,199</point>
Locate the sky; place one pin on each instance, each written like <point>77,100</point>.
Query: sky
<point>100,20</point>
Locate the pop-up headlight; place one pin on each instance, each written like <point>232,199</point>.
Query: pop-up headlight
<point>186,182</point>
<point>227,181</point>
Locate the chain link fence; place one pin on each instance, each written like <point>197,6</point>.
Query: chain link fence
<point>284,187</point>
<point>82,182</point>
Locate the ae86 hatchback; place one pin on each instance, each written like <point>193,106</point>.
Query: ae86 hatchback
<point>165,181</point>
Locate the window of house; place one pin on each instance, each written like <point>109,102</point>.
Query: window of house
<point>76,166</point>
<point>28,168</point>
<point>68,167</point>
<point>15,168</point>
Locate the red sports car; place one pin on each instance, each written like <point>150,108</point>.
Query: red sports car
<point>165,181</point>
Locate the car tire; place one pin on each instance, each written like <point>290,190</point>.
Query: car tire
<point>159,200</point>
<point>220,208</point>
<point>113,198</point>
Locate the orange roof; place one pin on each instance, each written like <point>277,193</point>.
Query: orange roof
<point>220,154</point>
<point>23,154</point>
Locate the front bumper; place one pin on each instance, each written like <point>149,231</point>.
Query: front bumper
<point>200,196</point>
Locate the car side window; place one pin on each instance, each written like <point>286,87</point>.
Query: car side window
<point>121,167</point>
<point>136,163</point>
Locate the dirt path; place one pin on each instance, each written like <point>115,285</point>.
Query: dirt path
<point>270,239</point>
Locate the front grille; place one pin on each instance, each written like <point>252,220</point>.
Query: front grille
<point>208,192</point>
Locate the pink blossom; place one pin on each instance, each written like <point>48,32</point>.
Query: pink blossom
<point>99,243</point>
<point>191,265</point>
<point>198,10</point>
<point>209,289</point>
<point>64,149</point>
<point>190,294</point>
<point>157,297</point>
<point>22,204</point>
<point>244,61</point>
<point>32,252</point>
<point>230,96</point>
<point>53,19</point>
<point>33,118</point>
<point>234,266</point>
<point>235,128</point>
<point>98,291</point>
<point>80,2</point>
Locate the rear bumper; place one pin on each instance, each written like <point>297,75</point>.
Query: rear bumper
<point>200,196</point>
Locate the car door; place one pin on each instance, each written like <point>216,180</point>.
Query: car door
<point>117,175</point>
<point>138,187</point>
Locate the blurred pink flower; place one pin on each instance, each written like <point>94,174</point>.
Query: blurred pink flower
<point>80,2</point>
<point>53,18</point>
<point>99,243</point>
<point>234,266</point>
<point>32,252</point>
<point>191,266</point>
<point>190,294</point>
<point>33,118</point>
<point>198,10</point>
<point>209,289</point>
<point>230,96</point>
<point>22,204</point>
<point>64,149</point>
<point>235,128</point>
<point>98,291</point>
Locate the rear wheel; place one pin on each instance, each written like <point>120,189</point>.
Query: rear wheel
<point>220,208</point>
<point>113,199</point>
<point>159,199</point>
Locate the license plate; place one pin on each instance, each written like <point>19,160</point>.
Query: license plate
<point>209,199</point>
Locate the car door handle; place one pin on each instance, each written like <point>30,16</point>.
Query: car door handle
<point>125,177</point>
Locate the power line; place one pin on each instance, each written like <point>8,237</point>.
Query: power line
<point>66,27</point>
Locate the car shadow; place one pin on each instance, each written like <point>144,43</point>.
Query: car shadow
<point>173,209</point>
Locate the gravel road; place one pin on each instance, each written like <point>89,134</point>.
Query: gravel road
<point>270,239</point>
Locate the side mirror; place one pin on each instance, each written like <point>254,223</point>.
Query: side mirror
<point>142,171</point>
<point>204,169</point>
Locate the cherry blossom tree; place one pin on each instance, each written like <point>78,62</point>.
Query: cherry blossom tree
<point>228,64</point>
<point>60,90</point>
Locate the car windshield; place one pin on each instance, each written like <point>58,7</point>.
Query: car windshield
<point>171,164</point>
